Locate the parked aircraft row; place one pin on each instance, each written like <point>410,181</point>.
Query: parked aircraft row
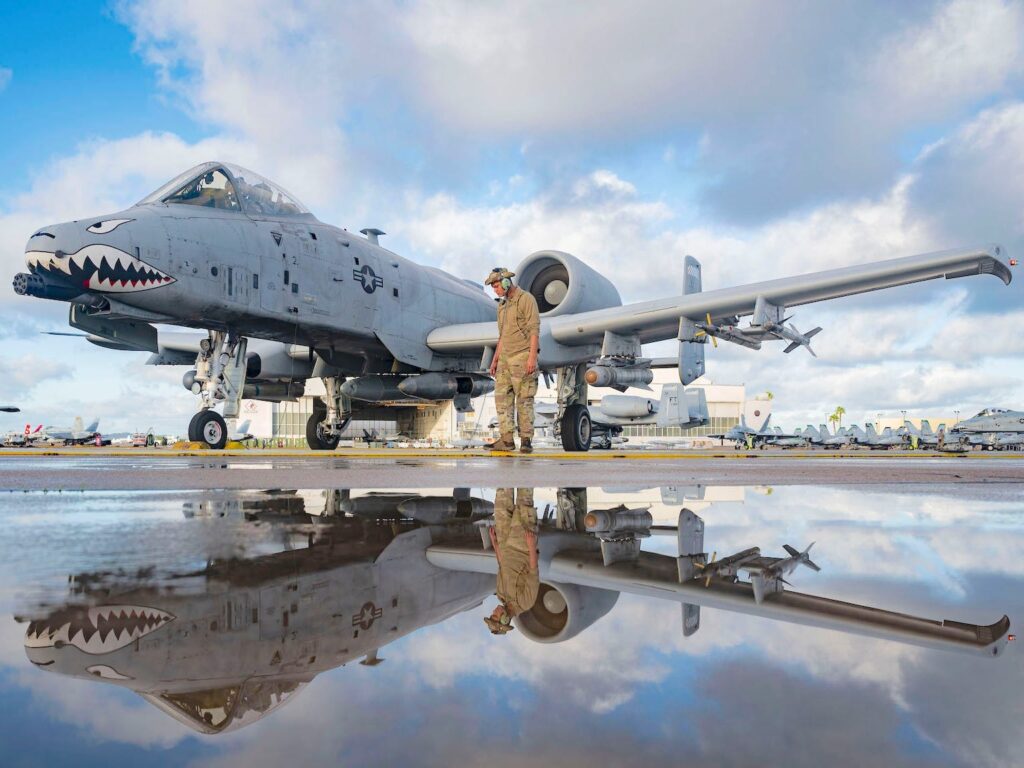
<point>991,429</point>
<point>76,434</point>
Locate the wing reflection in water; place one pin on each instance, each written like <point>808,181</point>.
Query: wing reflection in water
<point>223,645</point>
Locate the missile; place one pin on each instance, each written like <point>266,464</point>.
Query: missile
<point>374,389</point>
<point>445,386</point>
<point>610,376</point>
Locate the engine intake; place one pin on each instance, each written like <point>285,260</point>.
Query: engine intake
<point>561,284</point>
<point>562,611</point>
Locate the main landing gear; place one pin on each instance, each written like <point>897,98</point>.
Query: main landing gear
<point>573,423</point>
<point>219,377</point>
<point>331,414</point>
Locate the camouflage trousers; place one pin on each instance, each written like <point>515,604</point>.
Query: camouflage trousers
<point>514,390</point>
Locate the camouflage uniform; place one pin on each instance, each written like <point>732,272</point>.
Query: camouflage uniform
<point>514,388</point>
<point>518,582</point>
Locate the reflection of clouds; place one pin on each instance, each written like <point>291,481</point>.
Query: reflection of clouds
<point>921,537</point>
<point>612,652</point>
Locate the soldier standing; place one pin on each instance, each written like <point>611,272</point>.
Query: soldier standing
<point>514,366</point>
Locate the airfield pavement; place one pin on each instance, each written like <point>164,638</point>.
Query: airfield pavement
<point>78,469</point>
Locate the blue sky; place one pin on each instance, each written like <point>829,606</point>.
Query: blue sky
<point>766,141</point>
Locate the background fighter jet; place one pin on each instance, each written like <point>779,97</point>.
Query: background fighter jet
<point>76,434</point>
<point>993,420</point>
<point>225,250</point>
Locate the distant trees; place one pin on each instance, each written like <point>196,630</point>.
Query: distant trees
<point>837,416</point>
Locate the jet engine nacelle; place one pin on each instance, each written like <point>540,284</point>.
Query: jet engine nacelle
<point>562,284</point>
<point>562,611</point>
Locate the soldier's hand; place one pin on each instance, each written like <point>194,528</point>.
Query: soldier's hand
<point>531,365</point>
<point>494,366</point>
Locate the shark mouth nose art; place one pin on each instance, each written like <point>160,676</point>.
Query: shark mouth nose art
<point>99,268</point>
<point>103,629</point>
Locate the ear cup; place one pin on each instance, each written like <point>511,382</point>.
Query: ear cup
<point>506,283</point>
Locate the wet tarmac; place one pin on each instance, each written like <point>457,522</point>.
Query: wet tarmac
<point>86,470</point>
<point>335,624</point>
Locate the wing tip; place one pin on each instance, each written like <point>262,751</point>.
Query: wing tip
<point>997,266</point>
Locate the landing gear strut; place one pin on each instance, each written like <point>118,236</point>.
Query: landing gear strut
<point>573,423</point>
<point>330,416</point>
<point>219,377</point>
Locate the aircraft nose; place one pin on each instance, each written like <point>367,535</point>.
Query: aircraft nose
<point>48,247</point>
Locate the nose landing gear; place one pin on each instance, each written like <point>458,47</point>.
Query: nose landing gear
<point>219,377</point>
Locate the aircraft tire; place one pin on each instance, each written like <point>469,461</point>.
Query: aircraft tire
<point>194,435</point>
<point>210,428</point>
<point>576,428</point>
<point>315,438</point>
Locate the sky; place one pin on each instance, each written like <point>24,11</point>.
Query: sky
<point>765,139</point>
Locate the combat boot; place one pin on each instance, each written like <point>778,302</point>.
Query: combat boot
<point>503,443</point>
<point>525,445</point>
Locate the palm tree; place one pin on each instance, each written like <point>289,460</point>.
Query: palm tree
<point>837,415</point>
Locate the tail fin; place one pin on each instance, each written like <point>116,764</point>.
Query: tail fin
<point>92,427</point>
<point>870,429</point>
<point>76,425</point>
<point>823,431</point>
<point>911,429</point>
<point>764,426</point>
<point>926,428</point>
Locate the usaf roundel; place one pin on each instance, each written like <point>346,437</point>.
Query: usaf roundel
<point>368,278</point>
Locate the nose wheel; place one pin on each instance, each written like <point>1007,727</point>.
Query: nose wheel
<point>208,427</point>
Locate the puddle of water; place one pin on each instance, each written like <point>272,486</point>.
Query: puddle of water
<point>651,623</point>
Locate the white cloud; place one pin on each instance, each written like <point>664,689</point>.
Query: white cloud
<point>813,104</point>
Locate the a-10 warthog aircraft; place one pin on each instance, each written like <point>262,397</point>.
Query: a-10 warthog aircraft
<point>222,249</point>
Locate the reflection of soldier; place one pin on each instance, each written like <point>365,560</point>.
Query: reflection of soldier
<point>514,366</point>
<point>514,538</point>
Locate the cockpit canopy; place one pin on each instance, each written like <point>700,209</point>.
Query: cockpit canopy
<point>227,187</point>
<point>992,412</point>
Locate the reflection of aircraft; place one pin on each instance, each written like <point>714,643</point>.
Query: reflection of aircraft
<point>224,250</point>
<point>582,576</point>
<point>73,435</point>
<point>221,647</point>
<point>258,630</point>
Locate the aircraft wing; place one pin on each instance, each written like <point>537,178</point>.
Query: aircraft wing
<point>658,319</point>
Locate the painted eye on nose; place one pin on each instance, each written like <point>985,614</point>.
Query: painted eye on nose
<point>103,227</point>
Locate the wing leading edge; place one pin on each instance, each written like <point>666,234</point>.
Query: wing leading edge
<point>658,320</point>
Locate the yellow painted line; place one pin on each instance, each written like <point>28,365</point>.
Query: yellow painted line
<point>401,453</point>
